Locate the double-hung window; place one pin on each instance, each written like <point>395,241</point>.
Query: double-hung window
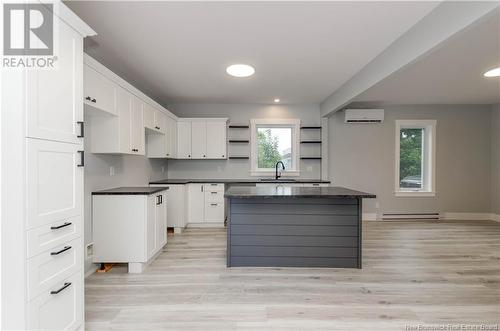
<point>415,157</point>
<point>274,140</point>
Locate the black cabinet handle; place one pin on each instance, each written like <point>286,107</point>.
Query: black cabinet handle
<point>65,286</point>
<point>204,156</point>
<point>82,159</point>
<point>189,155</point>
<point>88,98</point>
<point>61,226</point>
<point>94,100</point>
<point>168,154</point>
<point>222,155</point>
<point>66,248</point>
<point>213,192</point>
<point>161,199</point>
<point>213,204</point>
<point>135,150</point>
<point>82,130</point>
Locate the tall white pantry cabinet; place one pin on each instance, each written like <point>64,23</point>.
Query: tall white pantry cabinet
<point>42,161</point>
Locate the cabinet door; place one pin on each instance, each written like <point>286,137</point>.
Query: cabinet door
<point>199,140</point>
<point>137,127</point>
<point>216,140</point>
<point>54,96</point>
<point>196,203</point>
<point>54,182</point>
<point>176,205</point>
<point>124,109</point>
<point>98,91</point>
<point>161,220</point>
<point>184,140</point>
<point>58,311</point>
<point>160,121</point>
<point>171,137</point>
<point>151,226</point>
<point>149,116</point>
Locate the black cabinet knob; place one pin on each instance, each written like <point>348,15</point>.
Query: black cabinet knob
<point>88,98</point>
<point>94,100</point>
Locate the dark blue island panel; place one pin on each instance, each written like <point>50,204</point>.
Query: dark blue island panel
<point>294,232</point>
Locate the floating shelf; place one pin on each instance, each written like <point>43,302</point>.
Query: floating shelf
<point>239,127</point>
<point>310,158</point>
<point>240,141</point>
<point>238,157</point>
<point>311,127</point>
<point>311,142</point>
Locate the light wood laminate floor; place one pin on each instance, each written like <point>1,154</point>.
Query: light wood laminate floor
<point>413,273</point>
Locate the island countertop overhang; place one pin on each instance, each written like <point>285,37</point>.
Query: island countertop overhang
<point>284,192</point>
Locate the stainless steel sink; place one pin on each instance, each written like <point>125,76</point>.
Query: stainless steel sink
<point>279,180</point>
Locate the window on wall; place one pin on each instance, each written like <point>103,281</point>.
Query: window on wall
<point>415,161</point>
<point>273,141</point>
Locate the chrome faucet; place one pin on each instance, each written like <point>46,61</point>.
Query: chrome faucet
<point>282,165</point>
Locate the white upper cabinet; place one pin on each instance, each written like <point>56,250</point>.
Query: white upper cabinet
<point>54,97</point>
<point>137,127</point>
<point>199,139</point>
<point>160,121</point>
<point>149,116</point>
<point>99,91</point>
<point>171,138</point>
<point>184,140</point>
<point>216,140</point>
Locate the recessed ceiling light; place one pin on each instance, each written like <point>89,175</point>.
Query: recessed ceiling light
<point>492,73</point>
<point>277,100</point>
<point>240,70</point>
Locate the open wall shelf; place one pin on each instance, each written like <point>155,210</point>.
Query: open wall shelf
<point>310,128</point>
<point>310,158</point>
<point>238,141</point>
<point>311,142</point>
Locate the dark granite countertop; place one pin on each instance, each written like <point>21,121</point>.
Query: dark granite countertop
<point>238,181</point>
<point>294,192</point>
<point>147,190</point>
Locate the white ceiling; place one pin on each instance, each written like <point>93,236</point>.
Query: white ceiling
<point>177,52</point>
<point>451,74</point>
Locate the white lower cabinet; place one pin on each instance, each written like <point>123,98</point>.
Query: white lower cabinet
<point>176,205</point>
<point>60,307</point>
<point>129,228</point>
<point>206,205</point>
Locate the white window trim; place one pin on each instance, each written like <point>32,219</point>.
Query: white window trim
<point>295,123</point>
<point>429,156</point>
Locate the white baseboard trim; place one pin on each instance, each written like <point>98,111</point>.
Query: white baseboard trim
<point>369,216</point>
<point>205,225</point>
<point>471,217</point>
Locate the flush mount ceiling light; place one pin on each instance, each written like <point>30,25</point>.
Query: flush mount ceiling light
<point>277,100</point>
<point>240,70</point>
<point>492,73</point>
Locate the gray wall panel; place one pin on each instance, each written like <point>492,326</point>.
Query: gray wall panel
<point>318,262</point>
<point>279,251</point>
<point>296,230</point>
<point>310,220</point>
<point>295,241</point>
<point>294,209</point>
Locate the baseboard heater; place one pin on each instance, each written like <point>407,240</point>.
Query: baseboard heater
<point>410,216</point>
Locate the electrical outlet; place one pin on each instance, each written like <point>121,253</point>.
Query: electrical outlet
<point>111,171</point>
<point>89,250</point>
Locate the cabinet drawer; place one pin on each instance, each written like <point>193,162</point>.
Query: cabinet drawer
<point>213,187</point>
<point>52,266</point>
<point>214,212</point>
<point>214,196</point>
<point>52,235</point>
<point>58,311</point>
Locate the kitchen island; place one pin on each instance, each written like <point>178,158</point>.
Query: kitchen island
<point>294,227</point>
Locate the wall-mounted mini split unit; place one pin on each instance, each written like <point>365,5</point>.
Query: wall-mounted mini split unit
<point>364,115</point>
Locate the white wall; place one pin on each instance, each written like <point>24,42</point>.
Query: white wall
<point>130,170</point>
<point>495,159</point>
<point>362,157</point>
<point>309,114</point>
